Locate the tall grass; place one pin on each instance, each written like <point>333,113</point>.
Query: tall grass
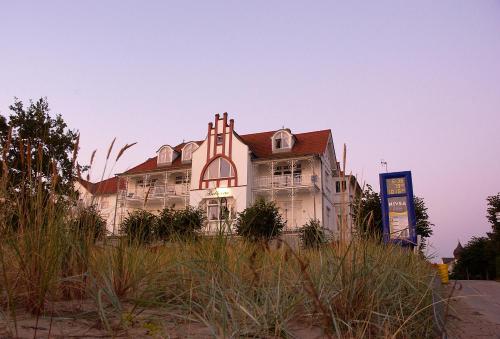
<point>223,285</point>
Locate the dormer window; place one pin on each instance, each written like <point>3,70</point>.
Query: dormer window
<point>165,155</point>
<point>282,141</point>
<point>187,151</point>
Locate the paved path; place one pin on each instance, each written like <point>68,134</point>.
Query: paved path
<point>474,311</point>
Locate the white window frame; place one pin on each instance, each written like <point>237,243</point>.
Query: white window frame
<point>193,146</point>
<point>165,155</point>
<point>217,204</point>
<point>282,135</point>
<point>207,175</point>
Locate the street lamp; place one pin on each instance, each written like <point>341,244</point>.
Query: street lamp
<point>497,214</point>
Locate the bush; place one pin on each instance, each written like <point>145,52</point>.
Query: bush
<point>261,221</point>
<point>312,234</point>
<point>183,224</point>
<point>88,222</point>
<point>139,226</point>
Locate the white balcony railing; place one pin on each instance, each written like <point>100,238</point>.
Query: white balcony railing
<point>157,192</point>
<point>287,180</point>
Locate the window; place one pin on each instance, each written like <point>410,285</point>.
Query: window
<point>104,204</point>
<point>286,169</point>
<point>181,179</point>
<point>218,209</point>
<point>219,168</point>
<point>219,139</point>
<point>187,151</point>
<point>165,155</point>
<point>338,185</point>
<point>282,140</point>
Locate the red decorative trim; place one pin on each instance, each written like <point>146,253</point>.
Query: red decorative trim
<point>209,134</point>
<point>224,123</point>
<point>231,129</point>
<point>216,130</point>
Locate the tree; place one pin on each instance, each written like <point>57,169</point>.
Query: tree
<point>312,234</point>
<point>493,208</point>
<point>476,261</point>
<point>40,147</point>
<point>260,222</point>
<point>367,215</point>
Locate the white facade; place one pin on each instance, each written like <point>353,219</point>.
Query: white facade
<point>225,173</point>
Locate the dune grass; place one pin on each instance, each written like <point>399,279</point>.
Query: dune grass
<point>229,286</point>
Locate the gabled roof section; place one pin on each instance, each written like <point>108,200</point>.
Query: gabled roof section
<point>108,186</point>
<point>151,164</point>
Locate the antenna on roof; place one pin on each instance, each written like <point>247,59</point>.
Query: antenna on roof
<point>383,163</point>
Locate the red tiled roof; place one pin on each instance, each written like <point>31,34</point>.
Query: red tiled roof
<point>308,143</point>
<point>305,144</point>
<point>107,186</point>
<point>151,164</point>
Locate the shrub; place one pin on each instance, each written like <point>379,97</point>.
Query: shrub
<point>139,226</point>
<point>164,221</point>
<point>261,221</point>
<point>88,223</point>
<point>312,234</point>
<point>181,224</point>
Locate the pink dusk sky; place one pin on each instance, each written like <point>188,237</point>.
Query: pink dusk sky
<point>414,83</point>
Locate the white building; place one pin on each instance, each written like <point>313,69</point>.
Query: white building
<point>228,172</point>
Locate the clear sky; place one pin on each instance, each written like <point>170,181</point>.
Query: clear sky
<point>416,84</point>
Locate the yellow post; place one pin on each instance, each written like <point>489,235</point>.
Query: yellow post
<point>443,273</point>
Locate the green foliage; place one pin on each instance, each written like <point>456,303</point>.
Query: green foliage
<point>36,133</point>
<point>312,234</point>
<point>89,223</point>
<point>261,221</point>
<point>493,208</point>
<point>139,226</point>
<point>179,224</point>
<point>480,258</point>
<point>367,215</point>
<point>423,225</point>
<point>477,260</point>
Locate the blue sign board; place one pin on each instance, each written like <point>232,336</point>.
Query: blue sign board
<point>398,208</point>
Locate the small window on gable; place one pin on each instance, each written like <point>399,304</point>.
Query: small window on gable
<point>165,155</point>
<point>187,151</point>
<point>282,141</point>
<point>220,139</point>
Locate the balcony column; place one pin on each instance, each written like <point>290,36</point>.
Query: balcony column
<point>187,180</point>
<point>145,194</point>
<point>292,193</point>
<point>272,180</point>
<point>165,190</point>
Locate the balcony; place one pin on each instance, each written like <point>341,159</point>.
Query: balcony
<point>156,192</point>
<point>285,181</point>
